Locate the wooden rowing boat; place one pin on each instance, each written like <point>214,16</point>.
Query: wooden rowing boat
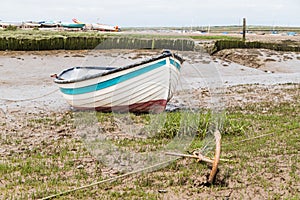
<point>142,87</point>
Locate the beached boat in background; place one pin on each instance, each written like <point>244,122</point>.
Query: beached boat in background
<point>145,86</point>
<point>98,26</point>
<point>104,27</point>
<point>73,25</point>
<point>49,24</point>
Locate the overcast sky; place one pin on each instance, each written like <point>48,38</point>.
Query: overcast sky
<point>139,13</point>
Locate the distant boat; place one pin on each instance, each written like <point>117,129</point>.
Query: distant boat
<point>73,25</point>
<point>97,26</point>
<point>142,87</point>
<point>291,33</point>
<point>103,27</point>
<point>49,24</point>
<point>274,32</point>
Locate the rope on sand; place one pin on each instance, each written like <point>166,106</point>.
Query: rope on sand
<point>249,139</point>
<point>108,180</point>
<point>29,99</point>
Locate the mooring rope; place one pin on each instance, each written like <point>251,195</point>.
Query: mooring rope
<point>249,139</point>
<point>108,180</point>
<point>134,172</point>
<point>29,99</point>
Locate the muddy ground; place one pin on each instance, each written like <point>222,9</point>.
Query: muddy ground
<point>228,79</point>
<point>26,84</point>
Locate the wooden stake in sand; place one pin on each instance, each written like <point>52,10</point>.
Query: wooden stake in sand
<point>244,29</point>
<point>213,172</point>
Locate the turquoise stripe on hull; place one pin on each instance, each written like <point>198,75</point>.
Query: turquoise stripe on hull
<point>173,62</point>
<point>113,81</point>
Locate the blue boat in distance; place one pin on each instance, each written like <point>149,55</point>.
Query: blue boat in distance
<point>73,25</point>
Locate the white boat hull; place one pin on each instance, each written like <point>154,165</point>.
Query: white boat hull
<point>103,27</point>
<point>143,88</point>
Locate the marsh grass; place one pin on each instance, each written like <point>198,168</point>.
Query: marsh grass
<point>57,161</point>
<point>30,40</point>
<point>155,130</point>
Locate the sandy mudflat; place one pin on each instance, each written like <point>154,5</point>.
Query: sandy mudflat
<point>26,75</point>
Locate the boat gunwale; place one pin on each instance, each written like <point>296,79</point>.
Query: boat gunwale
<point>165,54</point>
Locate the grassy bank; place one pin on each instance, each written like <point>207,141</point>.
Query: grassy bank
<point>30,40</point>
<point>42,155</point>
<point>277,46</point>
<point>21,40</point>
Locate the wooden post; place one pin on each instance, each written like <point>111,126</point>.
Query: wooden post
<point>213,172</point>
<point>244,29</point>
